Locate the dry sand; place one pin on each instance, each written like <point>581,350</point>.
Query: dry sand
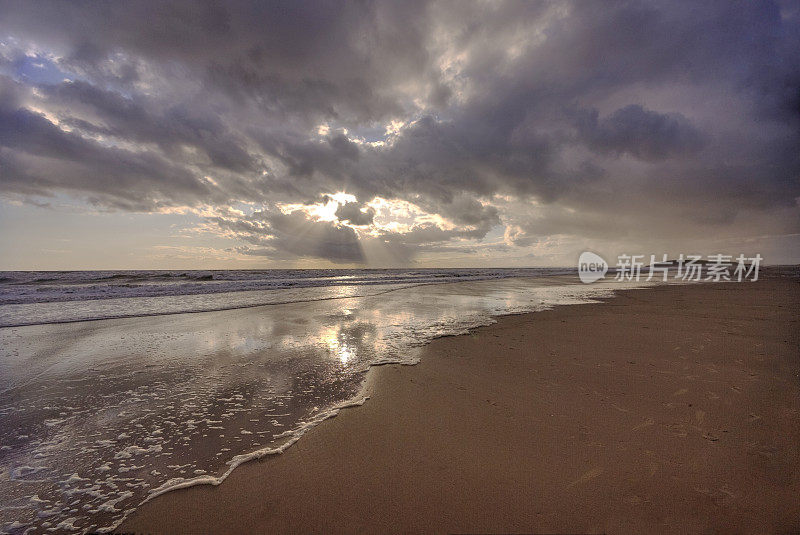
<point>675,409</point>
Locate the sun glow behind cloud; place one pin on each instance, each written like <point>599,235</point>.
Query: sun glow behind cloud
<point>391,215</point>
<point>320,211</point>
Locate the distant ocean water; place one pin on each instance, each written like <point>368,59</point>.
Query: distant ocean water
<point>97,416</point>
<point>30,297</point>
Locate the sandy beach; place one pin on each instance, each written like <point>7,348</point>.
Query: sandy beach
<point>674,409</point>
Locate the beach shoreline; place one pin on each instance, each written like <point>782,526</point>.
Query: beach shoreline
<point>660,409</point>
<point>120,410</point>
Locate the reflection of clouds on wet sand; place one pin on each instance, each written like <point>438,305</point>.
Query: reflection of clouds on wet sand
<point>98,414</point>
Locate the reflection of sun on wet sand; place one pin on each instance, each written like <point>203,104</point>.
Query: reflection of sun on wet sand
<point>675,409</point>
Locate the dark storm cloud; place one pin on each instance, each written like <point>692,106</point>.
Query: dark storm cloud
<point>548,118</point>
<point>281,236</point>
<point>295,234</point>
<point>171,128</point>
<point>312,58</point>
<point>41,158</point>
<point>353,213</point>
<point>641,133</point>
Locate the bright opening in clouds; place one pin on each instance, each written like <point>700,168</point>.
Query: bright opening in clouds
<point>308,134</point>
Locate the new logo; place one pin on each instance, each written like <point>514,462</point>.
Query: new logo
<point>591,267</point>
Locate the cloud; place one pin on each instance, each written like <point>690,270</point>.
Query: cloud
<point>517,119</point>
<point>641,133</point>
<point>354,214</point>
<point>281,236</point>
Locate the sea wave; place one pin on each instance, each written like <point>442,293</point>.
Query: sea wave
<point>21,287</point>
<point>31,298</point>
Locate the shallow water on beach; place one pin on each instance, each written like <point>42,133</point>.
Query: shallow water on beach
<point>34,297</point>
<point>97,416</point>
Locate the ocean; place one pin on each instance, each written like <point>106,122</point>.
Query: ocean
<point>30,297</point>
<point>117,386</point>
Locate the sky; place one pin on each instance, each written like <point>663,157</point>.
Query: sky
<point>180,135</point>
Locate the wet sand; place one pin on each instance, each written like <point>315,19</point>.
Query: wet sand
<point>674,409</point>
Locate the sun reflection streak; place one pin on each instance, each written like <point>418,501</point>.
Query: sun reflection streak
<point>338,346</point>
